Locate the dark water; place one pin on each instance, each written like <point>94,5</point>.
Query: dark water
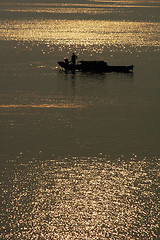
<point>79,153</point>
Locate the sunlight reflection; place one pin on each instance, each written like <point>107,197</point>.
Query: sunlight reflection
<point>42,106</point>
<point>82,198</point>
<point>82,32</point>
<point>95,4</point>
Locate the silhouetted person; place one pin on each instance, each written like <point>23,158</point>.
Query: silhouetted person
<point>73,59</point>
<point>66,62</point>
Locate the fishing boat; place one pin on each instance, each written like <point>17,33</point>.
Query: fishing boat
<point>93,66</point>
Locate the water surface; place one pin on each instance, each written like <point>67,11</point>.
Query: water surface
<point>79,152</point>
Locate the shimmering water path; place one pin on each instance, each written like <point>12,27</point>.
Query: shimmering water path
<point>73,198</point>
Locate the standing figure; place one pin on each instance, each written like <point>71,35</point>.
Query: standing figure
<point>73,59</point>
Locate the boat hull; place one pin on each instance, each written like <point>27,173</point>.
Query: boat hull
<point>95,66</point>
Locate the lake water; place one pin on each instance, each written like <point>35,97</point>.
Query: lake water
<point>79,153</point>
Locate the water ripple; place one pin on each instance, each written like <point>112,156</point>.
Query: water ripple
<point>82,32</point>
<point>81,198</point>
